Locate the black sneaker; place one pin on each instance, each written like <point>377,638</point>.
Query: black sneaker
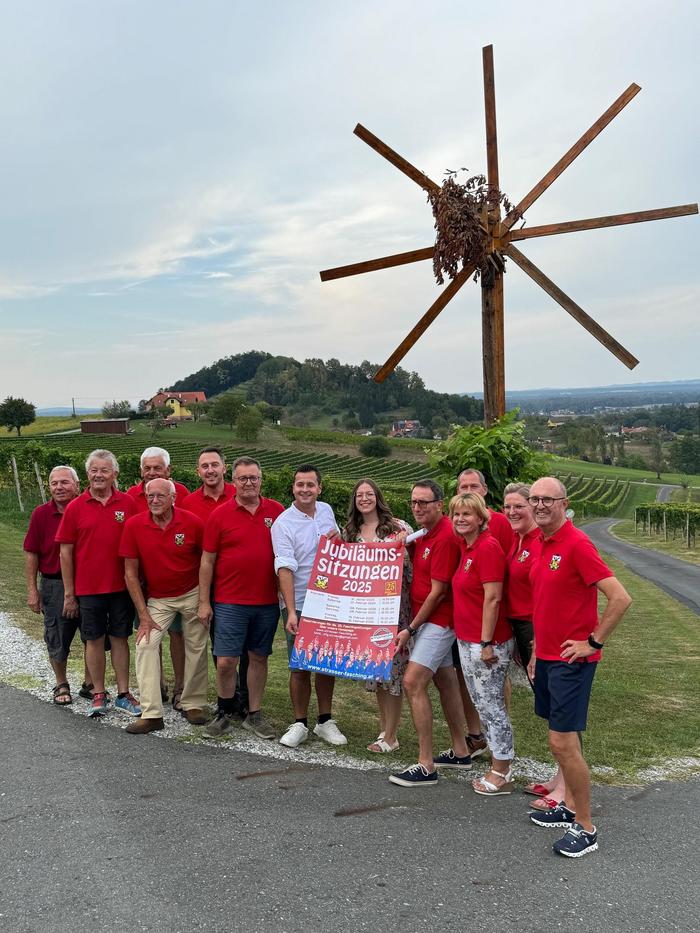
<point>576,842</point>
<point>557,816</point>
<point>415,776</point>
<point>448,759</point>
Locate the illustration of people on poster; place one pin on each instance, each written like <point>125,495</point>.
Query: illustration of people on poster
<point>351,610</point>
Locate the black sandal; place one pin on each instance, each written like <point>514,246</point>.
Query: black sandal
<point>176,701</point>
<point>62,690</point>
<point>86,691</point>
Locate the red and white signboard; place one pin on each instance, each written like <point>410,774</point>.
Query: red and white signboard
<point>351,611</point>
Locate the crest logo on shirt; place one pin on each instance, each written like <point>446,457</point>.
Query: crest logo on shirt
<point>390,588</point>
<point>523,557</point>
<point>119,516</point>
<point>268,523</point>
<point>426,554</point>
<point>555,562</point>
<point>321,582</point>
<point>468,565</point>
<point>180,539</point>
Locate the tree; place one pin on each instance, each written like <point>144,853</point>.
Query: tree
<point>656,458</point>
<point>375,447</point>
<point>197,409</point>
<point>226,408</point>
<point>248,424</point>
<point>116,409</point>
<point>16,413</point>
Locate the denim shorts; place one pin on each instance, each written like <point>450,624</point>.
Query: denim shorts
<point>250,627</point>
<point>562,692</point>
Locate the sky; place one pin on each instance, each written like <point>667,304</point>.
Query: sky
<point>173,176</point>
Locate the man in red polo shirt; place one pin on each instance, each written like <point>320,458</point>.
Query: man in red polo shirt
<point>93,576</point>
<point>214,491</point>
<point>43,557</point>
<point>163,547</point>
<point>567,576</point>
<point>155,464</point>
<point>239,559</point>
<point>435,559</point>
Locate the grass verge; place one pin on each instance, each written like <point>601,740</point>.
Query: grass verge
<point>644,709</point>
<point>674,547</point>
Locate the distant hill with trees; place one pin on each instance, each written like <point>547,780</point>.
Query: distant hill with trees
<point>306,392</point>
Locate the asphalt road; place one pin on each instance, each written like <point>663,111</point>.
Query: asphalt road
<point>103,831</point>
<point>678,578</point>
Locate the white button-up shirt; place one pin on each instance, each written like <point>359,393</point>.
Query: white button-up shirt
<point>295,537</point>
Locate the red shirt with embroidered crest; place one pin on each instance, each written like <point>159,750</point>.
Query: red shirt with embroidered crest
<point>565,598</point>
<point>168,557</point>
<point>138,494</point>
<point>244,573</point>
<point>435,557</point>
<point>479,563</point>
<point>202,505</point>
<point>519,559</point>
<point>95,529</point>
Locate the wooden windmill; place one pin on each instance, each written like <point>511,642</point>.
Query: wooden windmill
<point>501,236</point>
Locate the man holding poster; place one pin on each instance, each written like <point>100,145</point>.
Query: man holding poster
<point>295,538</point>
<point>435,559</point>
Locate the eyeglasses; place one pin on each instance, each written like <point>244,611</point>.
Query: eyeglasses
<point>253,480</point>
<point>546,501</point>
<point>420,503</point>
<point>158,496</point>
<point>365,495</point>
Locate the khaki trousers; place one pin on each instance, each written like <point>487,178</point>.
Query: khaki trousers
<point>196,636</point>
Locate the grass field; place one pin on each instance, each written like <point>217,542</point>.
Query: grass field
<point>584,468</point>
<point>674,547</point>
<point>644,709</point>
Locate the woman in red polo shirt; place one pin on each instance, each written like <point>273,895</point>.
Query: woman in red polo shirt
<point>484,637</point>
<point>525,548</point>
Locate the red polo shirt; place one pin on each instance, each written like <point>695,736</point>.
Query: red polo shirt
<point>41,537</point>
<point>565,598</point>
<point>501,529</point>
<point>96,530</point>
<point>138,494</point>
<point>435,557</point>
<point>518,587</point>
<point>245,562</point>
<point>202,505</point>
<point>481,562</point>
<point>168,557</point>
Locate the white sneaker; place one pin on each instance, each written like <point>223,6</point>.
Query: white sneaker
<point>295,735</point>
<point>329,732</point>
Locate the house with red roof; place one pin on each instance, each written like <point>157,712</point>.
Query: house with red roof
<point>178,401</point>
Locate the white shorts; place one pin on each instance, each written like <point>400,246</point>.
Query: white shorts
<point>433,646</point>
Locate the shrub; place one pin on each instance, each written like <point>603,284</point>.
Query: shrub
<point>375,447</point>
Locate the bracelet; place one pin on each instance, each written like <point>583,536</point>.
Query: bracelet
<point>594,644</point>
<point>486,644</point>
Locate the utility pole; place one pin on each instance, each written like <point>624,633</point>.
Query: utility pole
<point>73,401</point>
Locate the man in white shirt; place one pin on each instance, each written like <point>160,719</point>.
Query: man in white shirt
<point>295,537</point>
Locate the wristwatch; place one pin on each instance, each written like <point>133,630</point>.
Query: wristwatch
<point>485,644</point>
<point>593,643</point>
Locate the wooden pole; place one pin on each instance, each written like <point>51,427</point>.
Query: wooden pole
<point>17,486</point>
<point>40,482</point>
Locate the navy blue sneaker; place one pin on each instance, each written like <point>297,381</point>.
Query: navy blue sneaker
<point>448,759</point>
<point>415,776</point>
<point>557,816</point>
<point>576,842</point>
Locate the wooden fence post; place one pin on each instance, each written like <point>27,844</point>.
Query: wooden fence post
<point>665,528</point>
<point>17,486</point>
<point>40,482</point>
<point>687,528</point>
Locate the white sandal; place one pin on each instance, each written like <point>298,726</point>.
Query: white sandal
<point>495,790</point>
<point>382,746</point>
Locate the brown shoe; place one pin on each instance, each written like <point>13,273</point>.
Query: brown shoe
<point>196,717</point>
<point>142,726</point>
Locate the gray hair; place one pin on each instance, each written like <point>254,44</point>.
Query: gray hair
<point>62,466</point>
<point>520,489</point>
<point>171,484</point>
<point>156,452</point>
<point>102,455</point>
<point>245,461</point>
<point>482,478</point>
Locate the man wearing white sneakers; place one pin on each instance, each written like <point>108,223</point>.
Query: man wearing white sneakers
<point>295,537</point>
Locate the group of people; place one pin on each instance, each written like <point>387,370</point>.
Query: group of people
<point>220,564</point>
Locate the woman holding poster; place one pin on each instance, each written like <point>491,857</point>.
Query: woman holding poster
<point>484,637</point>
<point>370,520</point>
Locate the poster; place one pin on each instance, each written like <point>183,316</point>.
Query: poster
<point>350,616</point>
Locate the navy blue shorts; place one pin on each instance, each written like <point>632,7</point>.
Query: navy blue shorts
<point>106,614</point>
<point>250,627</point>
<point>562,692</point>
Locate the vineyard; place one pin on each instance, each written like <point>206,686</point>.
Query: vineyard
<point>671,520</point>
<point>595,496</point>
